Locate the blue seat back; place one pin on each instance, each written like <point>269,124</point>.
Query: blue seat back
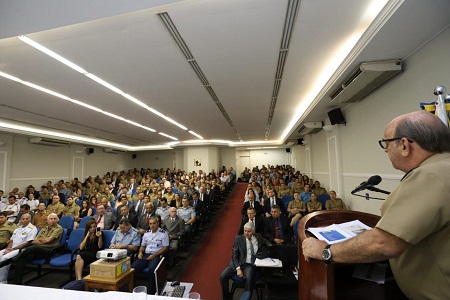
<point>63,239</point>
<point>66,222</point>
<point>322,198</point>
<point>75,239</point>
<point>107,237</point>
<point>83,222</point>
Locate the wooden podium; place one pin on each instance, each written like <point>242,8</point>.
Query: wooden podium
<point>317,279</point>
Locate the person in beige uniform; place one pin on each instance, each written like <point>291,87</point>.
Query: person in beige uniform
<point>296,209</point>
<point>6,229</point>
<point>71,209</point>
<point>40,217</point>
<point>335,203</point>
<point>314,205</point>
<point>56,206</point>
<point>414,228</point>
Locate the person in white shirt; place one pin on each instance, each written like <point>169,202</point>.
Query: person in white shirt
<point>22,237</point>
<point>12,209</point>
<point>32,202</point>
<point>21,199</point>
<point>3,200</point>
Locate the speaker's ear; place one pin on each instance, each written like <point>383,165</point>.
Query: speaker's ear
<point>336,116</point>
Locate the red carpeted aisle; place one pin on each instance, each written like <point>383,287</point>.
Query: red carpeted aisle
<point>215,252</point>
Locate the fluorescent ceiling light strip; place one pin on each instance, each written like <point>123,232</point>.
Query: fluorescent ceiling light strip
<point>148,128</point>
<point>132,99</point>
<point>42,89</point>
<point>52,54</point>
<point>86,105</point>
<point>197,135</point>
<point>77,102</point>
<point>271,142</point>
<point>96,78</point>
<point>10,77</point>
<point>158,147</point>
<point>169,136</point>
<point>165,117</point>
<point>220,141</point>
<point>61,135</point>
<point>104,83</point>
<point>113,115</point>
<point>261,148</point>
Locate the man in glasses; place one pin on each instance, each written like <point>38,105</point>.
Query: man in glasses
<point>414,228</point>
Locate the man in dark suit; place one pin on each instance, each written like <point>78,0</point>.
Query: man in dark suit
<point>271,200</point>
<point>203,196</point>
<point>257,220</point>
<point>143,219</point>
<point>126,214</point>
<point>217,192</point>
<point>242,262</point>
<point>199,208</point>
<point>251,203</point>
<point>278,230</point>
<point>138,205</point>
<point>174,226</point>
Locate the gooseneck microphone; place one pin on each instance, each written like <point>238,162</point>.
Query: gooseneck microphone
<point>373,180</point>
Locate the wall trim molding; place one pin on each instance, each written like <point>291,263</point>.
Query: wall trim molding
<point>367,175</point>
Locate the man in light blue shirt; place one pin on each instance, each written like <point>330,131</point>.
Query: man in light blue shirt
<point>126,237</point>
<point>306,195</point>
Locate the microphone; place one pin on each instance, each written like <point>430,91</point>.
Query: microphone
<point>373,180</point>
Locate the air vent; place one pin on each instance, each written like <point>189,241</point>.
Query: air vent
<point>310,128</point>
<point>365,79</point>
<point>114,151</point>
<point>47,142</point>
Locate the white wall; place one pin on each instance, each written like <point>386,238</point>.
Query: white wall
<point>252,158</point>
<point>227,158</point>
<point>155,159</point>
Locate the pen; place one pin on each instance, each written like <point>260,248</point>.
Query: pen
<point>272,259</point>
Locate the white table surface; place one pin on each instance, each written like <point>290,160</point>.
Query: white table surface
<point>23,292</point>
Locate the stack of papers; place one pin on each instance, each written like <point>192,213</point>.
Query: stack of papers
<point>337,233</point>
<point>268,262</point>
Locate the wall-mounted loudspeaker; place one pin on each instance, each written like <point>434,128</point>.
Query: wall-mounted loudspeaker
<point>133,156</point>
<point>288,150</point>
<point>336,116</point>
<point>89,151</point>
<point>300,141</point>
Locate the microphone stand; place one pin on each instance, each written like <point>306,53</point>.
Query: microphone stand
<point>373,189</point>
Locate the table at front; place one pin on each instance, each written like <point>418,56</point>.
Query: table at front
<point>110,284</point>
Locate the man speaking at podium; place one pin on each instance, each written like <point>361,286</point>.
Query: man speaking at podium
<point>414,228</point>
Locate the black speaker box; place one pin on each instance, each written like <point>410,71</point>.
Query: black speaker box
<point>300,141</point>
<point>288,150</point>
<point>133,156</point>
<point>90,151</point>
<point>336,116</point>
